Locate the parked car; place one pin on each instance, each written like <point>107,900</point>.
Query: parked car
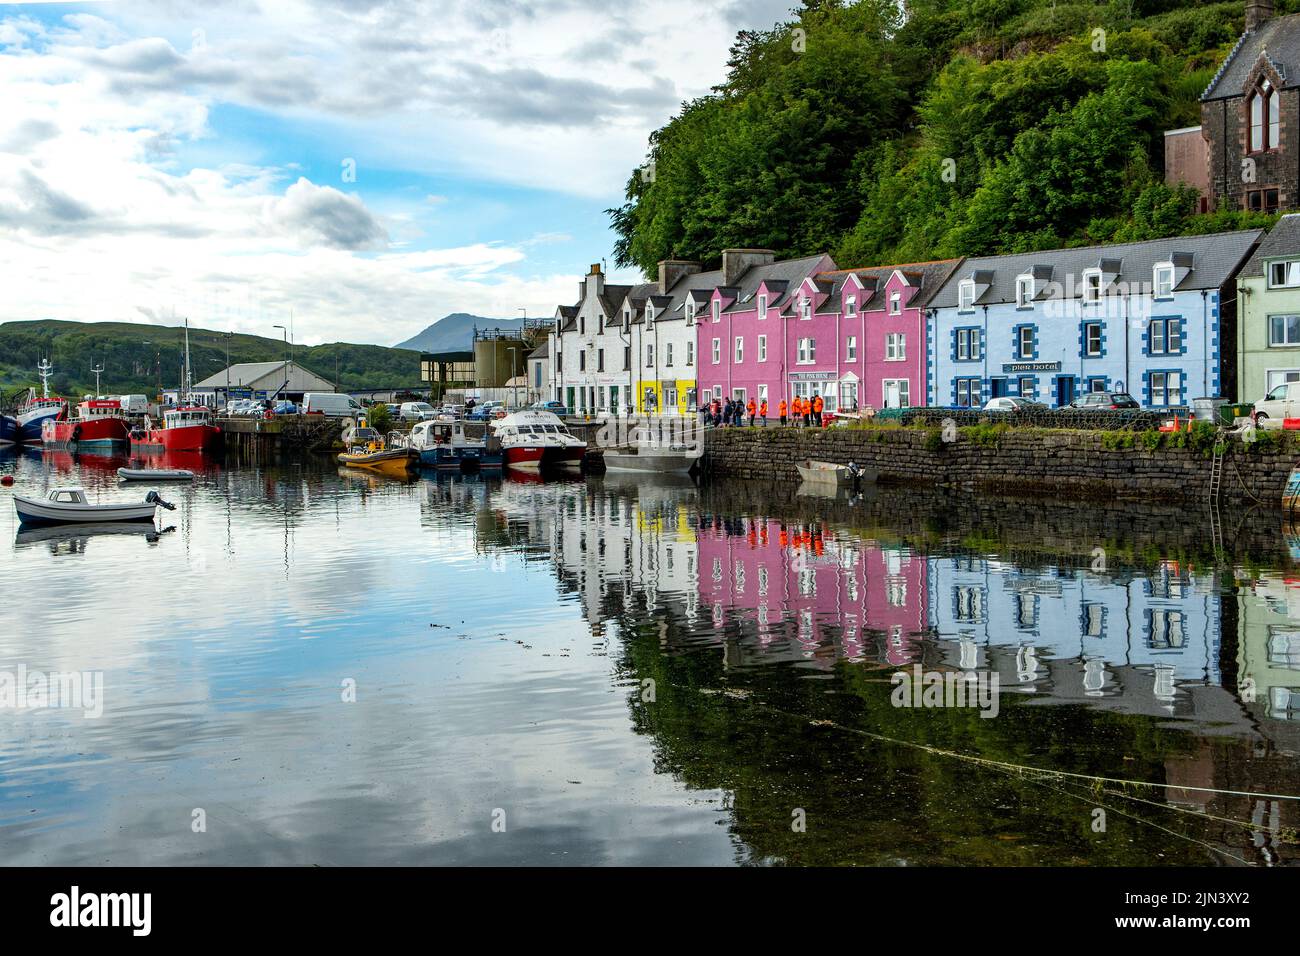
<point>555,408</point>
<point>284,407</point>
<point>394,409</point>
<point>1013,403</point>
<point>416,412</point>
<point>1105,401</point>
<point>1281,403</point>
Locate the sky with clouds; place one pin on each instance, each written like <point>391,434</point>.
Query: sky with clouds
<point>366,165</point>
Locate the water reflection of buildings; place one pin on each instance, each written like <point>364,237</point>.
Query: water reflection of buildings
<point>1268,655</point>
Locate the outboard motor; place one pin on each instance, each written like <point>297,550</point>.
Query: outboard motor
<point>153,498</point>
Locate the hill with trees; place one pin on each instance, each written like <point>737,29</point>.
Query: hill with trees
<point>137,357</point>
<point>884,132</point>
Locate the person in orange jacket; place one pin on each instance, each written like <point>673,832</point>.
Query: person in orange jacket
<point>762,411</point>
<point>751,408</point>
<point>781,409</point>
<point>817,406</point>
<point>796,408</point>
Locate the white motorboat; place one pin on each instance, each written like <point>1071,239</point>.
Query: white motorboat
<point>535,439</point>
<point>155,474</point>
<point>650,460</point>
<point>829,473</point>
<point>70,506</point>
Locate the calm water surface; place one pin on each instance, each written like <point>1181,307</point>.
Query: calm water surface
<point>624,672</point>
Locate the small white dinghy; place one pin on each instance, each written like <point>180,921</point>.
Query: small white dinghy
<point>829,473</point>
<point>155,474</point>
<point>70,506</point>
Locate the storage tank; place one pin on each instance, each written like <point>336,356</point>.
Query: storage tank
<point>496,361</point>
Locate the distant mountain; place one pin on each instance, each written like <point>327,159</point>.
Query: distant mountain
<point>455,332</point>
<point>135,356</point>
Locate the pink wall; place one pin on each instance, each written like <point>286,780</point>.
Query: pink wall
<point>813,591</point>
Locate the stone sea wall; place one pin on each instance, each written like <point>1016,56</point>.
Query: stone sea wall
<point>1059,462</point>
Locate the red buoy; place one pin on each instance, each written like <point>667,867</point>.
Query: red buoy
<point>7,481</point>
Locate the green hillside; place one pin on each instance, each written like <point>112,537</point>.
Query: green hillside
<point>131,355</point>
<point>957,127</point>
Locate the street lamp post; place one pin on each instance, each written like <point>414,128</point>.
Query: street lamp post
<point>228,335</point>
<point>285,330</point>
<point>514,365</point>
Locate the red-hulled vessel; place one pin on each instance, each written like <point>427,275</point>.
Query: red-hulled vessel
<point>185,428</point>
<point>534,440</point>
<point>98,422</point>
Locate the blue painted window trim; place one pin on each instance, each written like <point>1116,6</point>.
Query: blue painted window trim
<point>977,339</point>
<point>1020,386</point>
<point>1182,336</point>
<point>1086,384</point>
<point>1015,342</point>
<point>1083,339</point>
<point>979,391</point>
<point>1182,386</point>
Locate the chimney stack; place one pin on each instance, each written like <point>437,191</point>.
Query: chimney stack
<point>1257,11</point>
<point>736,262</point>
<point>672,270</point>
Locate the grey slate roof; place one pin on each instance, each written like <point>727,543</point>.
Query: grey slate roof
<point>638,294</point>
<point>1215,258</point>
<point>1282,240</point>
<point>928,276</point>
<point>543,350</point>
<point>1279,37</point>
<point>569,313</point>
<point>784,275</point>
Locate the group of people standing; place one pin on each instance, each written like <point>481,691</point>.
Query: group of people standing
<point>799,411</point>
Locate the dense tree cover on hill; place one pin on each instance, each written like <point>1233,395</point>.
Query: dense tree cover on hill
<point>135,357</point>
<point>886,134</point>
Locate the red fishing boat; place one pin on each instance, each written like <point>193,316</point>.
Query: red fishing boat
<point>185,428</point>
<point>98,422</point>
<point>535,440</point>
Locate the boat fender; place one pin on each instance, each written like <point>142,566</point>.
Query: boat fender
<point>153,498</point>
<point>76,433</point>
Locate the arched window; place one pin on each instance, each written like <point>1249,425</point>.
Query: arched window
<point>1264,117</point>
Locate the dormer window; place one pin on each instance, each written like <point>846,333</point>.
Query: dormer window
<point>1092,285</point>
<point>690,312</point>
<point>851,307</point>
<point>649,313</point>
<point>805,309</point>
<point>1162,282</point>
<point>1024,292</point>
<point>966,295</point>
<point>895,303</point>
<point>717,310</point>
<point>762,306</point>
<point>1264,117</point>
<point>1284,275</point>
<point>627,319</point>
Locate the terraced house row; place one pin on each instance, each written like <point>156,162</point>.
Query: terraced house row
<point>1166,321</point>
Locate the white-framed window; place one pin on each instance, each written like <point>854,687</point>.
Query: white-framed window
<point>850,307</point>
<point>895,393</point>
<point>690,353</point>
<point>668,354</point>
<point>968,392</point>
<point>1281,376</point>
<point>1024,292</point>
<point>895,302</point>
<point>851,348</point>
<point>1284,275</point>
<point>762,348</point>
<point>717,351</point>
<point>717,310</point>
<point>805,309</point>
<point>1025,342</point>
<point>649,313</point>
<point>896,346</point>
<point>1166,337</point>
<point>807,351</point>
<point>627,319</point>
<point>1092,339</point>
<point>1164,388</point>
<point>649,355</point>
<point>1283,330</point>
<point>1162,280</point>
<point>966,295</point>
<point>1091,285</point>
<point>762,306</point>
<point>690,312</point>
<point>968,344</point>
<point>740,349</point>
<point>717,394</point>
<point>762,393</point>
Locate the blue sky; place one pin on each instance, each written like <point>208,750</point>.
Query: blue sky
<point>167,158</point>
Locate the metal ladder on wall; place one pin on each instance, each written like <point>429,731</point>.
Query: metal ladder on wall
<point>1215,492</point>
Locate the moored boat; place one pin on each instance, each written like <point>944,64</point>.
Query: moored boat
<point>446,447</point>
<point>184,428</point>
<point>8,430</point>
<point>650,460</point>
<point>829,473</point>
<point>367,451</point>
<point>38,409</point>
<point>155,474</point>
<point>98,422</point>
<point>69,505</point>
<point>534,439</point>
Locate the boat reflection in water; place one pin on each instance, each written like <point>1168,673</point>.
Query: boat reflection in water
<point>74,538</point>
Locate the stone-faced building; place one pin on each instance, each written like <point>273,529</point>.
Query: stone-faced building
<point>1250,118</point>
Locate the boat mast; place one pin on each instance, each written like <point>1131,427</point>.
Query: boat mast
<point>188,378</point>
<point>45,368</point>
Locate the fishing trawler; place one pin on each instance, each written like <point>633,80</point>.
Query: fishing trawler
<point>38,409</point>
<point>187,427</point>
<point>96,423</point>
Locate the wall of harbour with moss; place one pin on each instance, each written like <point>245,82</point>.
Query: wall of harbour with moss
<point>1121,464</point>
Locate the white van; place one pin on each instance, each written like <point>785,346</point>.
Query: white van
<point>134,404</point>
<point>331,405</point>
<point>416,412</point>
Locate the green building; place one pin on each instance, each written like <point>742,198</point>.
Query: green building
<point>1268,324</point>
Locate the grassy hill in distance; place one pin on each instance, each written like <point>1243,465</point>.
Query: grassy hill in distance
<point>132,354</point>
<point>455,332</point>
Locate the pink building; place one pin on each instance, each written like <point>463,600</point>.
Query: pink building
<point>812,592</point>
<point>856,337</point>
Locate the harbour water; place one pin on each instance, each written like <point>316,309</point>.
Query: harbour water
<point>314,667</point>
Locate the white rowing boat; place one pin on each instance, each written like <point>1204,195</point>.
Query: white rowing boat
<point>155,474</point>
<point>829,473</point>
<point>70,506</point>
<point>649,460</point>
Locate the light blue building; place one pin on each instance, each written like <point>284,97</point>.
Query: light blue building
<point>1154,319</point>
